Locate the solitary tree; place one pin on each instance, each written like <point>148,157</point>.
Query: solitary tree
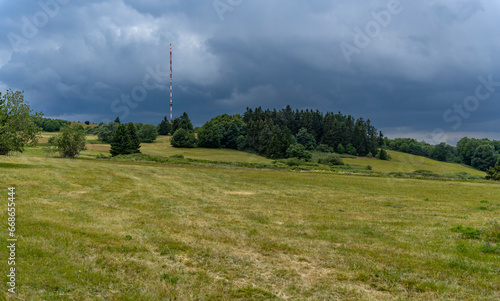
<point>70,141</point>
<point>17,123</point>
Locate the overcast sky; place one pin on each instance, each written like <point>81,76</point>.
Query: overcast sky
<point>423,69</point>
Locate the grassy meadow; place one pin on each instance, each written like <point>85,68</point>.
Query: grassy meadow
<point>95,229</point>
<point>409,163</point>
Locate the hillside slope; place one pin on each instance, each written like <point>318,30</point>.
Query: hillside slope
<point>400,162</point>
<point>407,163</point>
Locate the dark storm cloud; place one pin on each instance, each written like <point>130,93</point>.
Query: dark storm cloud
<point>413,61</point>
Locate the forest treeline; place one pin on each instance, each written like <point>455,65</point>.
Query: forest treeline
<point>291,133</point>
<point>50,125</point>
<point>272,133</point>
<point>478,153</point>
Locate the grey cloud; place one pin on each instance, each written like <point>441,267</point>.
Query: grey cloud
<point>264,53</point>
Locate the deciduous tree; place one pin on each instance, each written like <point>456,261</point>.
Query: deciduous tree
<point>17,123</point>
<point>183,138</point>
<point>147,133</point>
<point>70,141</point>
<point>494,172</point>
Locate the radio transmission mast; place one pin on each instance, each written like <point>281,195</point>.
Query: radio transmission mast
<point>171,83</point>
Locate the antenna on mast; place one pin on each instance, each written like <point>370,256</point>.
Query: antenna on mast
<point>171,83</point>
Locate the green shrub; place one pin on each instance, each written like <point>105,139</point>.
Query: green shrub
<point>493,173</point>
<point>298,151</point>
<point>382,155</point>
<point>293,162</point>
<point>324,148</point>
<point>331,160</point>
<point>424,172</point>
<point>351,150</point>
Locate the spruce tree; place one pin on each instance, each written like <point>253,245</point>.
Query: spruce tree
<point>134,144</point>
<point>121,142</point>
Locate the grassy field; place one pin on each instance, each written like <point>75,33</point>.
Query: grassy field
<point>93,229</point>
<point>162,147</point>
<point>408,163</point>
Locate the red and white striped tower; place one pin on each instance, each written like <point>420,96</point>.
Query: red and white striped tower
<point>170,82</point>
